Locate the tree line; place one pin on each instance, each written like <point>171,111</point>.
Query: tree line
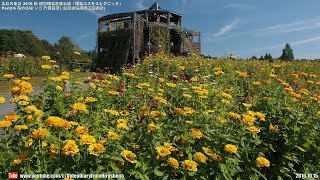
<point>287,54</point>
<point>25,42</point>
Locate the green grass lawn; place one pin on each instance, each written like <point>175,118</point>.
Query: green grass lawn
<point>37,81</point>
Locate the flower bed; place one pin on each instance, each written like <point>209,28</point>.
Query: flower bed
<point>171,117</point>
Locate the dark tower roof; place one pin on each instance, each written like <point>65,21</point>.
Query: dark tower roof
<point>155,6</point>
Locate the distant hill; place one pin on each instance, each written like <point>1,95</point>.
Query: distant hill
<point>23,41</point>
<point>27,43</point>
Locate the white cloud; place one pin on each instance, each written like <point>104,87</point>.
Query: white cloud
<point>184,2</point>
<point>281,45</point>
<point>86,35</point>
<point>97,13</point>
<point>140,5</point>
<point>239,6</point>
<point>306,41</point>
<point>226,29</point>
<point>301,25</point>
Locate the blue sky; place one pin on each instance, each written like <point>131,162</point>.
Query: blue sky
<point>240,27</point>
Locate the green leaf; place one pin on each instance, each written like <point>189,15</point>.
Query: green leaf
<point>115,167</point>
<point>165,177</point>
<point>291,117</point>
<point>296,128</point>
<point>157,172</point>
<point>256,171</point>
<point>271,147</point>
<point>116,158</point>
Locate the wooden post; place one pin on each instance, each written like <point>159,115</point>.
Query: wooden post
<point>109,26</point>
<point>147,16</point>
<point>134,38</point>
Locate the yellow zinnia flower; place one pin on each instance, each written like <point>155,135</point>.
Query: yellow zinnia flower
<point>16,162</point>
<point>152,127</point>
<point>39,133</point>
<point>55,79</point>
<point>234,115</point>
<point>230,148</point>
<point>2,100</point>
<point>113,135</point>
<point>256,83</point>
<point>112,112</point>
<point>87,139</point>
<point>225,101</point>
<point>53,150</point>
<point>187,96</point>
<point>247,119</point>
<point>163,151</point>
<point>80,107</point>
<point>169,146</point>
<point>122,126</point>
<point>143,85</point>
<point>161,80</point>
<point>129,156</point>
<point>247,105</point>
<point>20,127</point>
<point>90,99</point>
<point>46,58</point>
<point>173,162</point>
<point>8,76</point>
<point>254,130</point>
<point>196,133</point>
<point>172,85</point>
<point>274,129</point>
<point>11,117</point>
<point>59,88</point>
<point>25,87</point>
<point>189,165</point>
<point>81,130</point>
<point>96,149</point>
<point>46,67</point>
<point>5,124</point>
<point>200,157</point>
<point>157,114</point>
<point>261,116</point>
<point>182,68</point>
<point>262,162</point>
<point>112,92</point>
<point>26,78</point>
<point>70,148</point>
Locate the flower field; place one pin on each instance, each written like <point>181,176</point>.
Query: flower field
<point>170,118</point>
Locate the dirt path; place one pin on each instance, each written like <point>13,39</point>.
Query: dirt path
<point>8,107</point>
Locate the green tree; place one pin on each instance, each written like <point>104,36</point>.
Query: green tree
<point>268,56</point>
<point>47,46</point>
<point>261,57</point>
<point>253,58</point>
<point>19,41</point>
<point>64,50</point>
<point>287,53</point>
